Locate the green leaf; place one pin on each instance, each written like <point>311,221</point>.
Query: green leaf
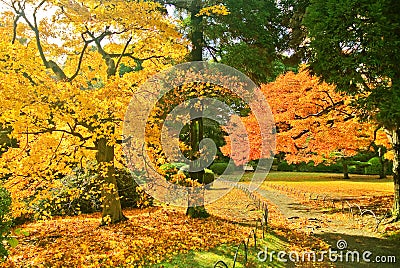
<point>25,233</point>
<point>19,231</point>
<point>13,242</point>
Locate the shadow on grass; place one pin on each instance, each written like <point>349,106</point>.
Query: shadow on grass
<point>384,252</point>
<point>226,253</point>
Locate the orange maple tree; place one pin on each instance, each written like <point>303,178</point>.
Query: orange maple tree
<point>314,122</point>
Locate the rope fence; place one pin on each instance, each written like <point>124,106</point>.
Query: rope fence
<point>348,204</point>
<point>261,223</point>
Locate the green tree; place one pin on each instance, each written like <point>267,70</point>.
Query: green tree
<point>356,45</point>
<point>247,35</point>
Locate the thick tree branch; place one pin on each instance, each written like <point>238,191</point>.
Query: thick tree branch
<point>51,130</point>
<point>111,70</point>
<point>15,24</point>
<point>130,55</point>
<point>79,62</point>
<point>124,140</point>
<point>20,11</point>
<point>211,53</point>
<point>123,52</point>
<point>322,112</point>
<point>301,134</point>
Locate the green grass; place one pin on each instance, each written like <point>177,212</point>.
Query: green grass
<point>226,253</point>
<point>311,177</point>
<point>329,183</point>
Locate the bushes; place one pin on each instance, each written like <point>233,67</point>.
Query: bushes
<point>374,168</point>
<point>284,166</point>
<point>208,176</point>
<point>219,168</point>
<point>170,171</point>
<point>130,193</point>
<point>81,193</point>
<point>332,168</point>
<point>310,167</point>
<point>224,167</point>
<point>5,223</point>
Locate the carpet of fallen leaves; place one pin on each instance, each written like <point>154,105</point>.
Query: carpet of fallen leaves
<point>338,198</point>
<point>148,237</point>
<point>299,239</point>
<point>327,190</point>
<point>333,184</point>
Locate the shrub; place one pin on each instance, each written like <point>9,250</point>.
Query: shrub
<point>178,173</point>
<point>130,193</point>
<point>374,167</point>
<point>5,223</point>
<point>253,163</point>
<point>331,168</point>
<point>284,166</point>
<point>208,176</point>
<point>81,193</point>
<point>219,168</point>
<point>170,169</point>
<point>305,167</point>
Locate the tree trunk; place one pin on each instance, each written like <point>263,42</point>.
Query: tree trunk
<point>345,170</point>
<point>196,125</point>
<point>396,173</point>
<point>112,211</point>
<point>196,209</point>
<point>382,170</point>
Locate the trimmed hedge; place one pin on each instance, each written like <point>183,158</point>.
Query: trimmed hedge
<point>310,167</point>
<point>209,176</point>
<point>374,168</point>
<point>219,168</point>
<point>284,166</point>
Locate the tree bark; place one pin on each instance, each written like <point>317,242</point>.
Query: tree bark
<point>112,211</point>
<point>196,125</point>
<point>345,170</point>
<point>196,210</point>
<point>382,170</point>
<point>396,173</point>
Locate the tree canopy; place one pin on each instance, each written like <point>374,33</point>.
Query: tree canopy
<point>65,82</point>
<point>355,45</point>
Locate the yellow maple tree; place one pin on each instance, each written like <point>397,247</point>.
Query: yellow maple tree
<point>66,80</point>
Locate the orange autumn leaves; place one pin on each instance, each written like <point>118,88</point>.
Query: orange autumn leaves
<point>148,237</point>
<point>314,122</point>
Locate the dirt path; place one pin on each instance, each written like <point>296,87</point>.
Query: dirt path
<point>332,229</point>
<point>317,221</point>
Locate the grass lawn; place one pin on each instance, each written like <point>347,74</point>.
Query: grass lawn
<point>330,183</point>
<point>226,253</point>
